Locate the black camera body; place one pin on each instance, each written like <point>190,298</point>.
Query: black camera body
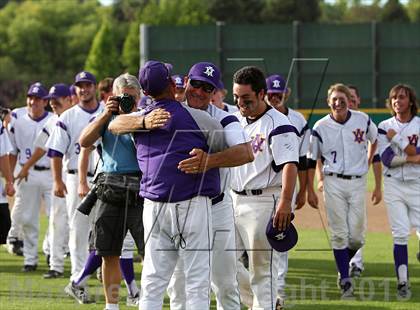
<point>126,102</point>
<point>88,202</point>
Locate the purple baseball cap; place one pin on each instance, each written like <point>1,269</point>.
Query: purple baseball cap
<point>84,76</point>
<point>169,66</point>
<point>58,90</point>
<point>37,90</point>
<point>276,84</point>
<point>154,77</point>
<point>281,241</point>
<point>206,72</point>
<point>178,80</point>
<point>73,90</point>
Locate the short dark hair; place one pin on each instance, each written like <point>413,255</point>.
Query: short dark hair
<point>105,86</point>
<point>356,90</point>
<point>253,76</point>
<point>411,95</point>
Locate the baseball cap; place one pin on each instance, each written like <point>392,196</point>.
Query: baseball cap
<point>281,241</point>
<point>72,90</point>
<point>84,76</point>
<point>206,72</point>
<point>58,90</point>
<point>178,80</point>
<point>276,84</point>
<point>154,77</point>
<point>169,66</point>
<point>37,90</point>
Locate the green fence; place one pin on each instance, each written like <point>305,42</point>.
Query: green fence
<point>372,56</point>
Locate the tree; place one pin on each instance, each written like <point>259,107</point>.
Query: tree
<point>131,54</point>
<point>413,9</point>
<point>102,59</point>
<point>286,11</point>
<point>236,11</point>
<point>393,11</point>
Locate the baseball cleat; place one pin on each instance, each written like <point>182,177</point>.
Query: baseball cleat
<point>280,304</point>
<point>52,274</point>
<point>29,268</point>
<point>133,301</point>
<point>77,292</point>
<point>347,292</point>
<point>15,247</point>
<point>403,291</point>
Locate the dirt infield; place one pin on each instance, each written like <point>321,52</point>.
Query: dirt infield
<point>308,217</point>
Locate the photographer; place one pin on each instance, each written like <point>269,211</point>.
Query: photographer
<point>119,206</point>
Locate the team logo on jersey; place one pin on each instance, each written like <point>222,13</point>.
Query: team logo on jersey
<point>413,140</point>
<point>276,84</point>
<point>209,71</point>
<point>257,143</point>
<point>358,135</point>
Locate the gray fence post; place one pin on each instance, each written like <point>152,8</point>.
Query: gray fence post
<point>144,44</point>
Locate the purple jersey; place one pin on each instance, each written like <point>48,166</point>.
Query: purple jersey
<point>159,152</point>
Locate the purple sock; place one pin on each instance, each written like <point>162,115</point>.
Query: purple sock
<point>342,261</point>
<point>400,258</point>
<point>127,271</point>
<point>93,262</point>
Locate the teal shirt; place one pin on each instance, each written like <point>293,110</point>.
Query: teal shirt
<point>118,153</point>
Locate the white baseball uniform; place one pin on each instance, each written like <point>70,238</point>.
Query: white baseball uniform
<point>343,150</point>
<point>401,183</point>
<point>224,282</point>
<point>58,222</point>
<point>299,122</point>
<point>64,142</point>
<point>37,186</point>
<point>5,148</point>
<point>256,188</point>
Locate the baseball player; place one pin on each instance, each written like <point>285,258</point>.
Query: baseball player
<point>203,81</point>
<point>37,186</point>
<point>263,188</point>
<point>398,144</point>
<point>177,217</point>
<point>15,235</point>
<point>64,144</point>
<point>59,100</point>
<point>277,95</point>
<point>179,87</point>
<point>9,190</point>
<point>341,139</point>
<point>356,263</point>
<point>218,99</point>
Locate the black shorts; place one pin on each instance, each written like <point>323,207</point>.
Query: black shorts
<point>114,217</point>
<point>4,222</point>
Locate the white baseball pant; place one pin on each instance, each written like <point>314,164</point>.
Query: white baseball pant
<point>346,211</point>
<point>402,200</point>
<point>27,208</point>
<point>252,214</point>
<point>223,277</point>
<point>164,223</point>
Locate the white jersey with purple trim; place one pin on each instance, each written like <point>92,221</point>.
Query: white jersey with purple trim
<point>301,125</point>
<point>65,137</point>
<point>22,136</point>
<point>5,148</point>
<point>275,142</point>
<point>230,108</point>
<point>343,146</point>
<point>234,135</point>
<point>15,114</point>
<point>407,133</point>
<point>42,137</point>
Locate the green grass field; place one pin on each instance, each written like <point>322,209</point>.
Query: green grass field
<point>311,279</point>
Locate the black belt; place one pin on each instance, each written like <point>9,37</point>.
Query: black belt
<point>345,177</point>
<point>74,171</point>
<point>250,192</point>
<point>40,168</point>
<point>217,199</point>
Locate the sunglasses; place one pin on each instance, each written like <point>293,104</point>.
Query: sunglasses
<point>208,88</point>
<point>273,95</point>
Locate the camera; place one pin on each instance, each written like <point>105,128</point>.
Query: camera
<point>88,202</point>
<point>126,102</point>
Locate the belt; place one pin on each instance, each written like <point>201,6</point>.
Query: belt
<point>217,199</point>
<point>74,171</point>
<point>345,177</point>
<point>39,168</point>
<point>249,192</point>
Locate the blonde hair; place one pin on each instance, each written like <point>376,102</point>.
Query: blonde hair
<point>339,87</point>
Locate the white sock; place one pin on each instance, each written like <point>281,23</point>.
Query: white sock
<point>111,307</point>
